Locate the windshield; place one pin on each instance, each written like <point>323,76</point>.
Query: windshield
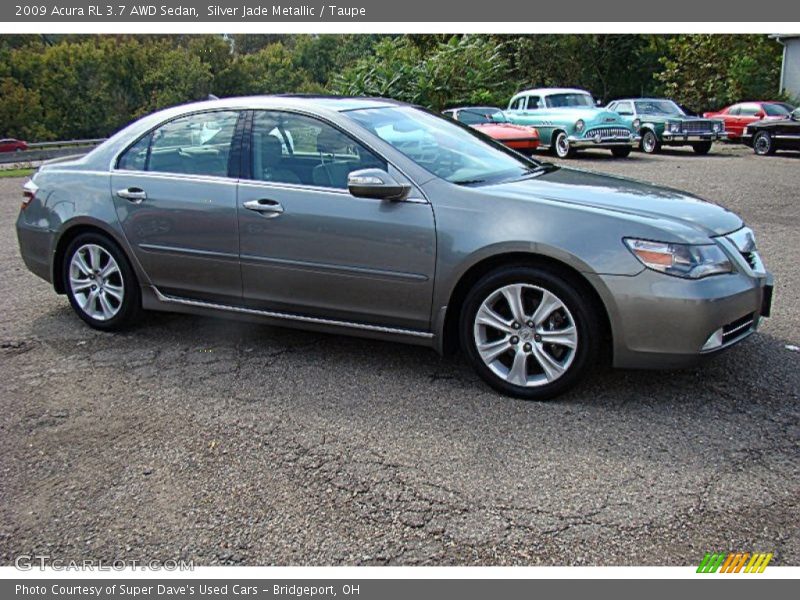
<point>448,150</point>
<point>569,99</point>
<point>476,116</point>
<point>658,107</point>
<point>776,110</point>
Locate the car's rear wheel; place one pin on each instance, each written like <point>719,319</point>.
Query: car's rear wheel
<point>100,283</point>
<point>650,143</point>
<point>529,332</point>
<point>763,144</point>
<point>701,147</point>
<point>562,147</point>
<point>621,152</point>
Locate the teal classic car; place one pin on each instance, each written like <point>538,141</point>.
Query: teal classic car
<point>664,123</point>
<point>568,120</point>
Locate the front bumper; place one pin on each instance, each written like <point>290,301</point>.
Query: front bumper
<point>659,321</point>
<point>673,137</point>
<point>604,142</point>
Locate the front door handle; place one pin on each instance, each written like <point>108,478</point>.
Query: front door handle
<point>268,208</point>
<point>132,194</point>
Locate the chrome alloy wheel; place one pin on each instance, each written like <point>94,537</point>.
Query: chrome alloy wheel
<point>95,281</point>
<point>649,142</point>
<point>525,334</point>
<point>562,145</point>
<point>762,143</point>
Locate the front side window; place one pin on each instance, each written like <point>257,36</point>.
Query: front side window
<point>198,144</point>
<point>301,150</point>
<point>442,147</point>
<point>518,104</point>
<point>570,99</point>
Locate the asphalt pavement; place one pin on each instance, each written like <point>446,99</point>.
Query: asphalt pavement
<point>230,443</point>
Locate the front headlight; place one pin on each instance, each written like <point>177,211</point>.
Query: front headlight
<point>579,125</point>
<point>690,261</point>
<point>636,124</point>
<point>674,126</point>
<point>717,126</point>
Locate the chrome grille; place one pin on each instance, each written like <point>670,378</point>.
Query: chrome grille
<point>608,132</point>
<point>697,126</point>
<point>737,328</point>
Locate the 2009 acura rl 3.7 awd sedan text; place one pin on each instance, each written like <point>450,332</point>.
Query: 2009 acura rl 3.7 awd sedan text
<point>376,218</point>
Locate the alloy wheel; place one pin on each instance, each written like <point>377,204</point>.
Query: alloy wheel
<point>649,142</point>
<point>525,335</point>
<point>562,145</point>
<point>762,144</point>
<point>95,282</point>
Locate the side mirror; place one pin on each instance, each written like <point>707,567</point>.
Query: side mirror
<point>378,184</point>
<point>598,103</point>
<point>760,115</point>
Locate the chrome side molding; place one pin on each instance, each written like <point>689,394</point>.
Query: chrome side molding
<point>288,316</point>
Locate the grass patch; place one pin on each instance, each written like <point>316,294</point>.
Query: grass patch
<point>16,172</point>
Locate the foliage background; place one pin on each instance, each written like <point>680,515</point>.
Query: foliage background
<point>68,87</point>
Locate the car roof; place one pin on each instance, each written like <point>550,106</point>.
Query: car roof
<point>334,103</point>
<point>474,108</point>
<point>645,100</point>
<point>548,91</point>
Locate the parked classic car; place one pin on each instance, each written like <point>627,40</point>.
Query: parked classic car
<point>491,121</point>
<point>738,116</point>
<point>384,220</point>
<point>664,123</point>
<point>12,145</point>
<point>569,120</point>
<point>768,136</point>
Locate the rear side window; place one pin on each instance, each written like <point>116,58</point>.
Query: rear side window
<point>749,110</point>
<point>198,144</point>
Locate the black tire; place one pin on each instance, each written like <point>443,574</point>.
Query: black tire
<point>650,143</point>
<point>763,144</point>
<point>701,147</point>
<point>580,309</point>
<point>129,309</point>
<point>621,152</point>
<point>561,147</point>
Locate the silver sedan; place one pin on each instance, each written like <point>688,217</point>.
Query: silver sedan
<point>375,218</point>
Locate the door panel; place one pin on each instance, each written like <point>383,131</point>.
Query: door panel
<point>332,255</point>
<point>177,205</point>
<point>185,233</point>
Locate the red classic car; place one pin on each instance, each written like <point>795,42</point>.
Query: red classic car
<point>738,116</point>
<point>12,145</point>
<point>491,121</point>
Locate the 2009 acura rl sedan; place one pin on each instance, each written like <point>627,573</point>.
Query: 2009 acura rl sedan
<point>376,218</point>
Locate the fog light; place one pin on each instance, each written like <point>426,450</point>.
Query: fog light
<point>714,341</point>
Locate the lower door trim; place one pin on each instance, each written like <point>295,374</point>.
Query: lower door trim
<point>169,299</point>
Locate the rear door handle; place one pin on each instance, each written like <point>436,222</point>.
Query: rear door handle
<point>268,208</point>
<point>132,194</point>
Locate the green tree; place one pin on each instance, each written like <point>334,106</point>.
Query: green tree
<point>711,71</point>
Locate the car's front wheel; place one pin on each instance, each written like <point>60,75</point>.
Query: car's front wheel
<point>701,147</point>
<point>650,143</point>
<point>562,147</point>
<point>529,332</point>
<point>100,282</point>
<point>763,144</point>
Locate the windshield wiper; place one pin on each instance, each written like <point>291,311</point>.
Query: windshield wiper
<point>544,167</point>
<point>468,181</point>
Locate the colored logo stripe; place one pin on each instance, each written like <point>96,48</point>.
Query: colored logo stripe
<point>734,562</point>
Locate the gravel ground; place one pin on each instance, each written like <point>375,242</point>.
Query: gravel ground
<point>229,443</point>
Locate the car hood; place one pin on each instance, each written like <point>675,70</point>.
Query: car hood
<point>588,114</point>
<point>621,195</point>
